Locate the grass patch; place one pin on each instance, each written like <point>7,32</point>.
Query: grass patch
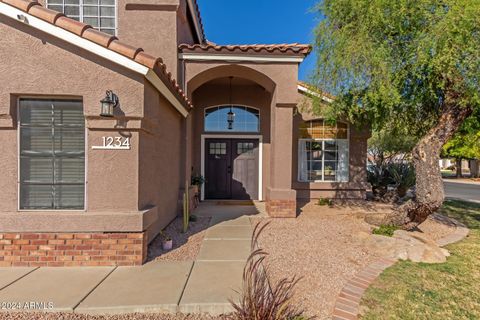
<point>420,291</point>
<point>385,230</point>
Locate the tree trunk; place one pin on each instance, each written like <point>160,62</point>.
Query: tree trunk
<point>474,166</point>
<point>458,165</point>
<point>429,184</point>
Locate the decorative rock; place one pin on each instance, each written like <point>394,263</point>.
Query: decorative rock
<point>405,245</point>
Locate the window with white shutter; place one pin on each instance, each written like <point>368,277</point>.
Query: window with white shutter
<point>52,154</point>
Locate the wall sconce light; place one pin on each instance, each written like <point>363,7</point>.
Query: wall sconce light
<point>108,103</point>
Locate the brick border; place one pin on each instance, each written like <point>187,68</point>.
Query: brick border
<point>72,249</point>
<point>347,306</point>
<point>277,208</point>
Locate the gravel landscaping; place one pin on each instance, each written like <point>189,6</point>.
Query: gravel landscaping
<point>133,316</point>
<point>186,246</point>
<point>322,248</point>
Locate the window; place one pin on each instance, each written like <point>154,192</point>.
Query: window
<point>100,14</point>
<point>246,119</point>
<point>52,155</point>
<point>323,152</point>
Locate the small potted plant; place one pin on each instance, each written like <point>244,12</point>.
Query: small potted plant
<point>167,242</point>
<point>197,181</point>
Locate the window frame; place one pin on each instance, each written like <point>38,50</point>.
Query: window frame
<point>232,131</point>
<point>299,150</point>
<point>85,198</point>
<point>81,15</point>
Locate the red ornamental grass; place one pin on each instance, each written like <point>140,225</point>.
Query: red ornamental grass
<point>260,297</point>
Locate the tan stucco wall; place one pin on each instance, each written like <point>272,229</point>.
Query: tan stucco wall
<point>34,64</point>
<point>125,189</point>
<point>280,79</point>
<point>253,95</point>
<point>154,30</point>
<point>357,184</point>
<point>160,161</point>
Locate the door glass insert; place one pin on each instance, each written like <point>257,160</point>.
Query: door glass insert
<point>245,148</point>
<point>218,148</point>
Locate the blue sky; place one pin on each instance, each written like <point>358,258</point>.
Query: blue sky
<point>261,21</point>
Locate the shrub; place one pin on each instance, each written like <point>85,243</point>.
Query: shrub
<point>403,175</point>
<point>324,202</point>
<point>261,298</point>
<point>385,230</point>
<point>379,177</point>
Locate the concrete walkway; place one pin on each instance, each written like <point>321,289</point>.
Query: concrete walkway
<point>204,285</point>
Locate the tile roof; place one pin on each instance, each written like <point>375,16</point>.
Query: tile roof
<point>199,17</point>
<point>293,48</point>
<point>315,89</point>
<point>106,40</point>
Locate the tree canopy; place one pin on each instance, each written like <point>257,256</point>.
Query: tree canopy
<point>465,144</point>
<point>409,64</point>
<point>399,60</point>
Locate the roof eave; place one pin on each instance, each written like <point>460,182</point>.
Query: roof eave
<point>153,74</point>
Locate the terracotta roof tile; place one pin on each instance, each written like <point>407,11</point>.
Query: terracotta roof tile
<point>103,39</point>
<point>45,14</point>
<point>199,16</point>
<point>24,5</point>
<point>98,37</point>
<point>124,49</point>
<point>316,89</point>
<point>293,48</point>
<point>71,25</point>
<point>147,60</point>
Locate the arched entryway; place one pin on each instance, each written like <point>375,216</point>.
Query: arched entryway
<point>231,125</point>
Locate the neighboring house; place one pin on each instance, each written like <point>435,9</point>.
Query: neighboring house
<point>84,185</point>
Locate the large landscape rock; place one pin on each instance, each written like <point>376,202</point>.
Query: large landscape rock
<point>406,245</point>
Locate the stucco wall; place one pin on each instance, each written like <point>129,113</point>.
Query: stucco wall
<point>34,64</point>
<point>357,184</point>
<point>127,190</point>
<point>252,95</point>
<point>160,161</point>
<point>150,25</point>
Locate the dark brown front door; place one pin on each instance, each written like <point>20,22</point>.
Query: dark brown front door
<point>231,169</point>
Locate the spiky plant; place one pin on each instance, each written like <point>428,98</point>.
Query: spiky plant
<point>261,298</point>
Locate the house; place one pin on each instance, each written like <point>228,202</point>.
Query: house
<point>109,107</point>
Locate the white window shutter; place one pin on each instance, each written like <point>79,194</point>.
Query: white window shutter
<point>343,161</point>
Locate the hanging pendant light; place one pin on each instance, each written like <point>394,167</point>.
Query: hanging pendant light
<point>230,114</point>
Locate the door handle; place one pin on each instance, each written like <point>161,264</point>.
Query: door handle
<point>229,169</point>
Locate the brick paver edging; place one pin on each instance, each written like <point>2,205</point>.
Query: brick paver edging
<point>348,301</point>
<point>347,305</point>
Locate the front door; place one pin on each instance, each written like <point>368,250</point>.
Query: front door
<point>231,169</point>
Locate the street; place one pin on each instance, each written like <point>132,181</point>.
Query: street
<point>464,191</point>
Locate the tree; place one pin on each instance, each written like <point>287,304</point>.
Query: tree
<point>412,62</point>
<point>390,144</point>
<point>465,144</point>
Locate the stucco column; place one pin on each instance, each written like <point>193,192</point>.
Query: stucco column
<point>281,198</point>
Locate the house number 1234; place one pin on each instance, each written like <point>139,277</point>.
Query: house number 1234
<point>114,143</point>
